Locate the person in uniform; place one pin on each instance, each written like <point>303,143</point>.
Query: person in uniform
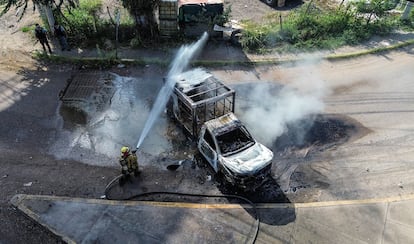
<point>41,35</point>
<point>61,35</point>
<point>129,164</point>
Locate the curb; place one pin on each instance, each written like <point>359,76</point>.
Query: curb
<point>216,63</point>
<point>18,200</point>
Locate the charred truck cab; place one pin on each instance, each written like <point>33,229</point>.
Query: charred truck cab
<point>229,148</point>
<point>204,106</point>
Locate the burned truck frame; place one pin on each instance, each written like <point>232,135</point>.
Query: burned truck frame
<point>204,106</point>
<point>196,100</point>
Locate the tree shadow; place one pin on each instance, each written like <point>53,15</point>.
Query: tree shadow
<point>228,52</point>
<point>31,96</point>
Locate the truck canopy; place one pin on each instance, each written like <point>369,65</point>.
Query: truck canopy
<point>198,87</point>
<point>199,97</point>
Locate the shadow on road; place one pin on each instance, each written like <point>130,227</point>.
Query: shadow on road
<point>269,192</point>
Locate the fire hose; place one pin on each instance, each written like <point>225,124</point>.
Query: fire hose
<point>256,213</point>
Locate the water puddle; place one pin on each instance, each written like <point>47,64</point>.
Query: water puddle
<point>92,131</point>
<point>95,135</point>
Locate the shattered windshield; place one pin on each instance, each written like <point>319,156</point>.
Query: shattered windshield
<point>235,140</point>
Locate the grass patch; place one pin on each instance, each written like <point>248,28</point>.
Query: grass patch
<point>26,29</point>
<point>311,27</point>
<point>89,25</point>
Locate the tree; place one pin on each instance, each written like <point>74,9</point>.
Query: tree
<point>21,5</point>
<point>143,12</point>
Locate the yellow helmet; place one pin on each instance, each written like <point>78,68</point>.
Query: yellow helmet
<point>124,149</point>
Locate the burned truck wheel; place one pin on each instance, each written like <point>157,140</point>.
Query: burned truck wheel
<point>202,163</point>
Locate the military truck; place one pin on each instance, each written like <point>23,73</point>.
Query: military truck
<point>204,107</point>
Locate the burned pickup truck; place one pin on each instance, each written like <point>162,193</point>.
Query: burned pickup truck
<point>204,106</point>
<point>230,149</point>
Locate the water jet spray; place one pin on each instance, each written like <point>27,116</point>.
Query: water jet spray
<point>179,64</point>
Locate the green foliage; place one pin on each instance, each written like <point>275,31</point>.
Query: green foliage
<point>146,9</point>
<point>106,55</point>
<point>407,24</point>
<point>140,6</point>
<point>254,36</point>
<point>81,23</point>
<point>135,42</point>
<point>22,4</point>
<point>412,15</point>
<point>86,27</point>
<point>27,28</point>
<point>223,18</point>
<point>378,7</point>
<point>310,27</point>
<point>93,7</point>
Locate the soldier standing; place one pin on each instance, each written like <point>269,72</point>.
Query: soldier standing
<point>41,35</point>
<point>60,33</point>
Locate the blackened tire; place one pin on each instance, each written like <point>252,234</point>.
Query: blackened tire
<point>270,2</point>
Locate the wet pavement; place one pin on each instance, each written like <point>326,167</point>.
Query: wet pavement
<point>294,177</point>
<point>92,220</point>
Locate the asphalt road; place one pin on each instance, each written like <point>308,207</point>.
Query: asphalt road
<point>375,93</point>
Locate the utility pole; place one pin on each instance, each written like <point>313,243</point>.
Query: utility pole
<point>117,19</point>
<point>280,21</point>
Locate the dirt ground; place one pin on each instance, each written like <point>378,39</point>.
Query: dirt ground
<point>29,108</point>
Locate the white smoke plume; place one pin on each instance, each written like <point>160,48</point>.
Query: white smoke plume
<point>271,112</point>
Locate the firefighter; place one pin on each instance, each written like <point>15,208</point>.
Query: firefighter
<point>129,164</point>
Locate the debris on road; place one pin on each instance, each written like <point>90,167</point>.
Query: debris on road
<point>28,184</point>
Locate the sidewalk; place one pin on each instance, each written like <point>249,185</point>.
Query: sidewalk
<point>223,52</point>
<point>78,220</point>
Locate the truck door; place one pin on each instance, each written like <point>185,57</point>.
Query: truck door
<point>207,147</point>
